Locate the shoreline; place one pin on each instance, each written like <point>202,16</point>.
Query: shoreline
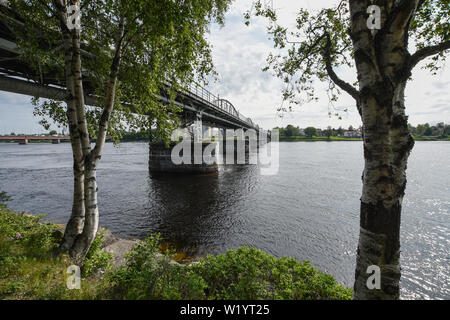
<point>339,139</point>
<point>31,269</point>
<point>119,246</point>
<point>282,139</point>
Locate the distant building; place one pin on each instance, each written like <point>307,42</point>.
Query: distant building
<point>352,133</point>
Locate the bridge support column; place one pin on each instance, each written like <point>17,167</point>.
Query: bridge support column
<point>198,128</point>
<point>240,151</point>
<point>207,133</point>
<point>190,156</point>
<point>185,157</point>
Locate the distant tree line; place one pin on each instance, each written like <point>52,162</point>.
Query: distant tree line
<point>426,130</point>
<point>135,136</point>
<point>292,131</point>
<point>422,130</point>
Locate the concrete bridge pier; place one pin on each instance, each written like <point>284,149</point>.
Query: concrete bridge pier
<point>199,157</point>
<point>189,156</point>
<point>239,152</point>
<point>185,157</point>
<point>198,128</point>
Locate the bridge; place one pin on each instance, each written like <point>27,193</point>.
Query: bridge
<point>198,105</point>
<point>25,139</point>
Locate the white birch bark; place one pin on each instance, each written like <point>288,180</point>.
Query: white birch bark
<point>75,224</point>
<point>84,241</point>
<point>381,57</point>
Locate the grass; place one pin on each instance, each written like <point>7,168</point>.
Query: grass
<point>29,270</point>
<point>439,138</point>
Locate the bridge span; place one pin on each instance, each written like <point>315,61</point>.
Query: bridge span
<point>199,106</point>
<point>25,139</point>
<point>197,103</point>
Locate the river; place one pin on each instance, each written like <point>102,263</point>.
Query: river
<point>309,210</point>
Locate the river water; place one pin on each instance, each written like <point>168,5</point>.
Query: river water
<point>309,210</point>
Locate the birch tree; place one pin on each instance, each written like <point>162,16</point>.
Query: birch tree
<point>382,41</point>
<point>120,54</point>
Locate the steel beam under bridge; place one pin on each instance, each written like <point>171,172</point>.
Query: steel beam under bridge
<point>190,108</point>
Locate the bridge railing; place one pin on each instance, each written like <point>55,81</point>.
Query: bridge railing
<point>202,93</point>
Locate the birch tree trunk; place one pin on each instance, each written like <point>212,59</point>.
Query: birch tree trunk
<point>381,57</point>
<point>85,186</point>
<point>75,224</point>
<point>387,144</point>
<point>84,241</point>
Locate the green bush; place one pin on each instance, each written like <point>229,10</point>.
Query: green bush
<point>245,273</point>
<point>30,271</point>
<point>248,273</point>
<point>4,197</point>
<point>27,266</point>
<point>35,237</point>
<point>151,275</point>
<point>97,259</point>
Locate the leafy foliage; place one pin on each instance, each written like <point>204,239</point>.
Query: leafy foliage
<point>150,275</point>
<point>439,130</point>
<point>4,197</point>
<point>311,131</point>
<point>248,273</point>
<point>164,47</point>
<point>245,273</point>
<point>97,259</point>
<point>23,228</point>
<point>431,25</point>
<point>304,51</point>
<point>25,243</point>
<point>41,238</point>
<point>321,42</point>
<point>30,271</point>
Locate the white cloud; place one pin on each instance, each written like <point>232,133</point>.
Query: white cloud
<point>16,115</point>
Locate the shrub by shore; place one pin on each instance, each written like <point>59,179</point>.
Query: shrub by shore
<point>30,270</point>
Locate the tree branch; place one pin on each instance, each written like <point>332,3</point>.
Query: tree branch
<point>338,81</point>
<point>427,52</point>
<point>110,94</point>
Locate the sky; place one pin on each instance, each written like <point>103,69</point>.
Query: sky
<point>239,54</point>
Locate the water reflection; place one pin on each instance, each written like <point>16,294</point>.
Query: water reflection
<point>193,212</point>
